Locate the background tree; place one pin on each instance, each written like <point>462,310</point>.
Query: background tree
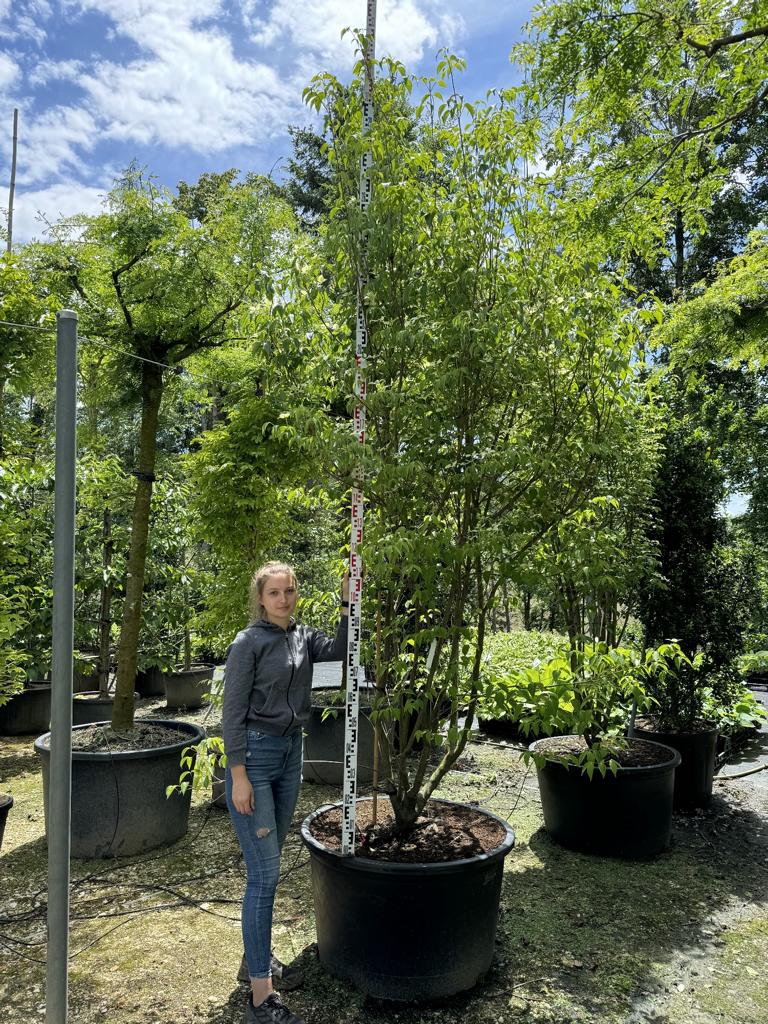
<point>155,285</point>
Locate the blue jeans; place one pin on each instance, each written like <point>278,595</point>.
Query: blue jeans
<point>273,766</point>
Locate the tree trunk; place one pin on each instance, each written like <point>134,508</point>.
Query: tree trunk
<point>105,610</point>
<point>679,254</point>
<point>127,653</point>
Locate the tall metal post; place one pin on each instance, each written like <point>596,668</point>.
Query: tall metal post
<point>12,189</point>
<point>356,539</point>
<point>60,782</point>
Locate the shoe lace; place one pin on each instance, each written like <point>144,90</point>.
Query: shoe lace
<point>278,1009</point>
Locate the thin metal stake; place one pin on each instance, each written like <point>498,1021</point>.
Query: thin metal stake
<point>60,777</point>
<point>377,723</point>
<point>355,561</point>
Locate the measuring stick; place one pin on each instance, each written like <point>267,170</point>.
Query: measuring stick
<point>356,538</point>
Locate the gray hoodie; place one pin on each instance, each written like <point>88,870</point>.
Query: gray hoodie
<point>268,679</point>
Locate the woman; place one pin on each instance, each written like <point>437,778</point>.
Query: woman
<point>267,690</point>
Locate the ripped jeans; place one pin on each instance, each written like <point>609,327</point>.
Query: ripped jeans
<point>273,766</point>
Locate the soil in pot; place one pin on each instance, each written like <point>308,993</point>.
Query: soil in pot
<point>6,803</point>
<point>119,781</point>
<point>698,752</point>
<point>626,815</point>
<point>409,930</point>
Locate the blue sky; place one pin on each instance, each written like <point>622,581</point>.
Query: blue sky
<point>186,86</point>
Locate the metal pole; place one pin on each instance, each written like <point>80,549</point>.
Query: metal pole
<point>12,189</point>
<point>356,539</point>
<point>60,780</point>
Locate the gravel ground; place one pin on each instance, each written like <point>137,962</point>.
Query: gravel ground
<point>155,939</point>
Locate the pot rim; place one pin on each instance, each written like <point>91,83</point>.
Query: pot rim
<point>384,867</point>
<point>196,733</point>
<point>672,732</point>
<point>6,801</point>
<point>673,761</point>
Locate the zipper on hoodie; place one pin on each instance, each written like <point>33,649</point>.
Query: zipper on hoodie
<point>290,683</point>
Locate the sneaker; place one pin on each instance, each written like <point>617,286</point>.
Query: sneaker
<point>271,1011</point>
<point>284,976</point>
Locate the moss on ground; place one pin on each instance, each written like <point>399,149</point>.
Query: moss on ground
<point>155,939</point>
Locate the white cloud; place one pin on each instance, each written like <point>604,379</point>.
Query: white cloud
<point>46,71</point>
<point>33,208</point>
<point>9,71</point>
<point>405,29</point>
<point>189,88</point>
<point>54,142</point>
<point>24,20</point>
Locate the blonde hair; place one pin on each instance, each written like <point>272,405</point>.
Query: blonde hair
<point>259,580</point>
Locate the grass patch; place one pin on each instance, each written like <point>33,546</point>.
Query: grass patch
<point>155,939</point>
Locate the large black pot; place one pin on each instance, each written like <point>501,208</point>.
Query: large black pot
<point>698,751</point>
<point>185,688</point>
<point>627,815</point>
<point>119,806</point>
<point>28,712</point>
<point>406,931</point>
<point>324,747</point>
<point>150,682</point>
<point>90,707</point>
<point>6,803</point>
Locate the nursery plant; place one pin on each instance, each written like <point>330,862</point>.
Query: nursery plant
<point>495,386</point>
<point>163,286</point>
<point>587,689</point>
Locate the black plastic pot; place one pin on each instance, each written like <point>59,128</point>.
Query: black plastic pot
<point>406,931</point>
<point>627,815</point>
<point>185,688</point>
<point>150,682</point>
<point>6,803</point>
<point>324,747</point>
<point>503,728</point>
<point>119,806</point>
<point>88,708</point>
<point>86,679</point>
<point>219,788</point>
<point>693,779</point>
<point>28,712</point>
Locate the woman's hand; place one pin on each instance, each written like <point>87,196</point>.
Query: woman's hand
<point>345,587</point>
<point>242,790</point>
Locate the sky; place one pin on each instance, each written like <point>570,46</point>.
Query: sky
<point>187,86</point>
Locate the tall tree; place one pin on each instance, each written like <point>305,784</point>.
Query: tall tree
<point>157,287</point>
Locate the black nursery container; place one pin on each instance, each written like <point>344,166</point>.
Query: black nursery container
<point>28,712</point>
<point>406,931</point>
<point>119,806</point>
<point>694,777</point>
<point>324,747</point>
<point>627,815</point>
<point>6,803</point>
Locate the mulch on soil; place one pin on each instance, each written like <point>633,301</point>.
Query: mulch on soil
<point>441,833</point>
<point>144,736</point>
<point>629,753</point>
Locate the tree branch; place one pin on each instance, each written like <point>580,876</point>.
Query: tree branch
<point>714,45</point>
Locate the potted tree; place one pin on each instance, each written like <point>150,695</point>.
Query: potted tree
<point>488,407</point>
<point>600,793</point>
<point>679,717</point>
<point>164,277</point>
